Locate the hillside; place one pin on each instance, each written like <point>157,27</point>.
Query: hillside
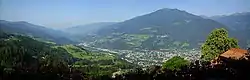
<point>23,57</point>
<point>156,30</point>
<point>239,24</point>
<point>21,51</point>
<point>25,28</point>
<point>29,54</point>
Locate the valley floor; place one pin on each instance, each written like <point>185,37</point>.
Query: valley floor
<point>149,57</point>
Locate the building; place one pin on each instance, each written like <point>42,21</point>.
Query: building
<point>236,54</point>
<point>232,55</point>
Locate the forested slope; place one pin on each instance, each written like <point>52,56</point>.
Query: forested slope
<point>22,55</point>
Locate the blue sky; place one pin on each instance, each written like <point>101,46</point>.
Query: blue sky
<point>67,13</point>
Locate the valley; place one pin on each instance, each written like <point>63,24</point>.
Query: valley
<point>147,58</point>
<point>163,44</point>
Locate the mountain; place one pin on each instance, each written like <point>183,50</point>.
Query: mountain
<point>25,28</point>
<point>203,16</point>
<point>82,30</point>
<point>29,56</point>
<point>237,21</point>
<point>161,27</point>
<point>18,50</point>
<point>239,24</point>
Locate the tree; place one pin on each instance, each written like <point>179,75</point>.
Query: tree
<point>175,63</point>
<point>217,43</point>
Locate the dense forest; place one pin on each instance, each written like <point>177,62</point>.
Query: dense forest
<point>25,58</point>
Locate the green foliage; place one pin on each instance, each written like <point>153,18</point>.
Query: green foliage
<point>80,53</point>
<point>75,51</point>
<point>175,63</point>
<point>46,41</point>
<point>21,51</point>
<point>217,43</point>
<point>95,63</point>
<point>25,52</point>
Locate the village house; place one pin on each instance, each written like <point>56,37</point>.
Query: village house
<point>236,54</point>
<point>232,55</point>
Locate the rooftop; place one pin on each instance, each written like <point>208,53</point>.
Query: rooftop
<point>235,53</point>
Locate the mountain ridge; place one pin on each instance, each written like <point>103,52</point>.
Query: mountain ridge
<point>26,28</point>
<point>177,24</point>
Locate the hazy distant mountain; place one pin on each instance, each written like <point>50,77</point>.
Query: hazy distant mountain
<point>203,16</point>
<point>178,26</point>
<point>239,23</point>
<point>25,28</point>
<point>82,30</point>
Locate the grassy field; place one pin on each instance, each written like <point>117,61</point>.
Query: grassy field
<point>135,39</point>
<point>82,54</point>
<point>96,63</point>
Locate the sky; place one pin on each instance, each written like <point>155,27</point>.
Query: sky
<point>67,13</point>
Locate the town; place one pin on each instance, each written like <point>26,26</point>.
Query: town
<point>149,57</point>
